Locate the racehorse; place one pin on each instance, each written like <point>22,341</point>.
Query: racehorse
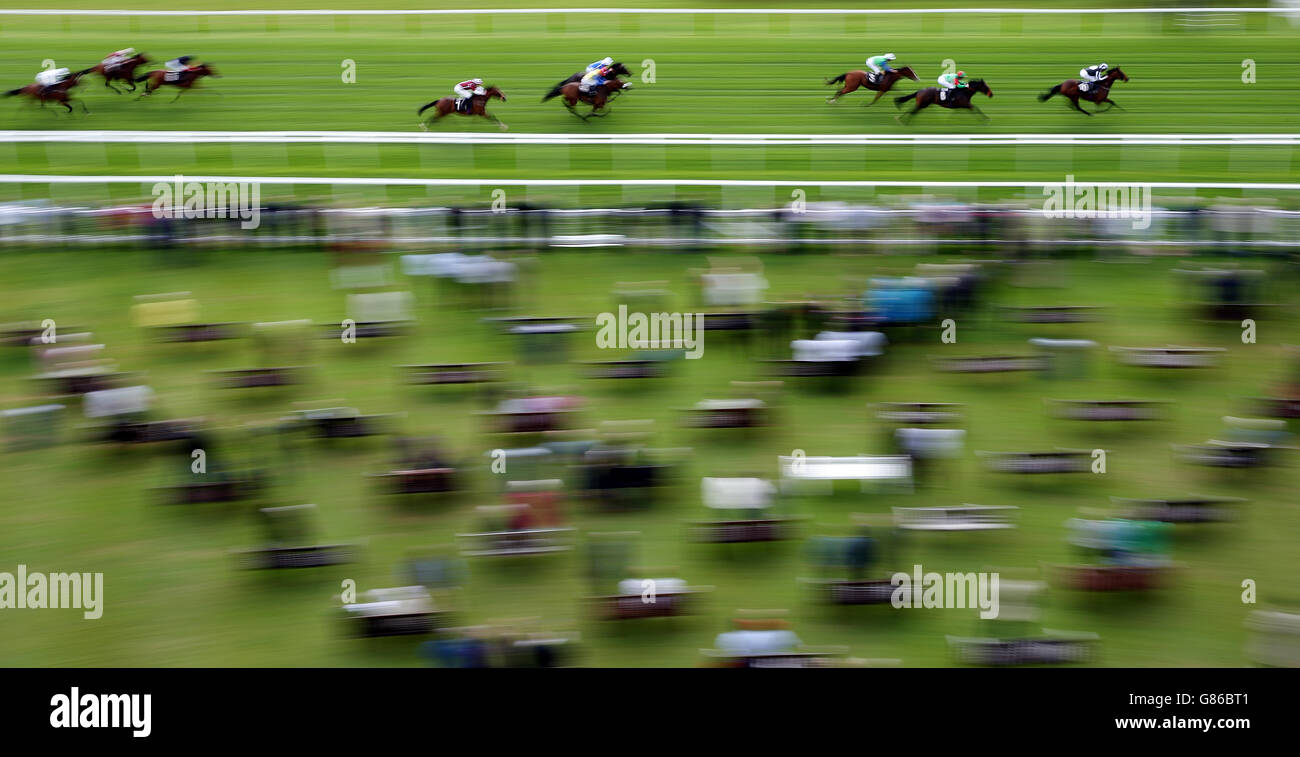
<point>477,107</point>
<point>183,81</point>
<point>616,68</point>
<point>881,84</point>
<point>1096,92</point>
<point>59,93</point>
<point>957,97</point>
<point>598,98</point>
<point>125,71</point>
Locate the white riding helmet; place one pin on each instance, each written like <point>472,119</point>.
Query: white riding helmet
<point>478,81</point>
<point>606,61</point>
<point>889,56</point>
<point>1102,67</point>
<point>129,51</point>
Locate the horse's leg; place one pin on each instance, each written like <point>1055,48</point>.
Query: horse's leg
<point>877,97</point>
<point>84,109</point>
<point>981,114</point>
<point>179,92</point>
<point>500,124</point>
<point>1075,101</point>
<point>1113,104</point>
<point>847,88</point>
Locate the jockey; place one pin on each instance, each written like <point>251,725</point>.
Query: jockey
<point>177,66</point>
<point>953,81</point>
<point>602,63</point>
<point>115,59</point>
<point>594,78</point>
<point>880,63</point>
<point>468,89</point>
<point>50,78</point>
<point>1094,73</point>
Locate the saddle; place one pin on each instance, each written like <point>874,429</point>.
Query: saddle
<point>465,105</point>
<point>873,78</point>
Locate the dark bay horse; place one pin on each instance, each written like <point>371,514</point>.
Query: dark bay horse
<point>882,84</point>
<point>1097,92</point>
<point>124,72</point>
<point>958,97</point>
<point>60,93</point>
<point>477,107</point>
<point>185,80</point>
<point>598,98</point>
<point>616,69</point>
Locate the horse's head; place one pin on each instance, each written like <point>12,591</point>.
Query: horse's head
<point>138,59</point>
<point>618,69</point>
<point>1117,73</point>
<point>908,72</point>
<point>206,70</point>
<point>494,92</point>
<point>978,85</point>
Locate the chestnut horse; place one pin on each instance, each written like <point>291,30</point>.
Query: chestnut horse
<point>882,84</point>
<point>1096,92</point>
<point>124,71</point>
<point>59,93</point>
<point>184,80</point>
<point>957,97</point>
<point>477,107</point>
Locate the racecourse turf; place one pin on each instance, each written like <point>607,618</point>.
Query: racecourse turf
<point>711,74</point>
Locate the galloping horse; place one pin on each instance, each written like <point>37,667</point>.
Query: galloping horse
<point>1097,92</point>
<point>570,89</point>
<point>477,107</point>
<point>880,83</point>
<point>124,71</point>
<point>59,93</point>
<point>183,81</point>
<point>958,97</point>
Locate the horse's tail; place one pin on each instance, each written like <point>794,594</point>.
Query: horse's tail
<point>142,78</point>
<point>421,111</point>
<point>900,100</point>
<point>837,80</point>
<point>1049,93</point>
<point>555,91</point>
<point>13,92</point>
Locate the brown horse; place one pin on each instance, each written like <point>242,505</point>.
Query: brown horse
<point>124,71</point>
<point>183,81</point>
<point>598,98</point>
<point>60,93</point>
<point>958,97</point>
<point>1097,92</point>
<point>880,83</point>
<point>477,107</point>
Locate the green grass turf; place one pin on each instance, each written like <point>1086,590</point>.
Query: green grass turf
<point>173,597</point>
<point>713,74</point>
